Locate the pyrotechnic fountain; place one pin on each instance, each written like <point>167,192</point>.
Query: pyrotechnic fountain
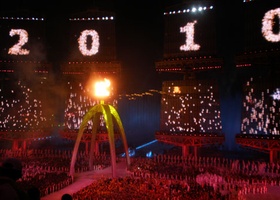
<point>108,111</point>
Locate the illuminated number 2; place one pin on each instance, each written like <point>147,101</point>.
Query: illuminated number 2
<point>82,40</point>
<point>189,45</point>
<point>23,39</point>
<point>267,25</point>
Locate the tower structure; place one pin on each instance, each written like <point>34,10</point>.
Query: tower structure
<point>91,55</point>
<point>109,112</point>
<point>258,66</point>
<point>190,104</point>
<point>25,79</point>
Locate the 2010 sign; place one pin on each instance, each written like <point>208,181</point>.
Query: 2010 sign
<point>93,35</point>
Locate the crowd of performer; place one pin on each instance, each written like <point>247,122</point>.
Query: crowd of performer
<point>164,176</point>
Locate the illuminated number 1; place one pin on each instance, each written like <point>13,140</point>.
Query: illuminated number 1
<point>267,25</point>
<point>189,45</point>
<point>82,40</point>
<point>23,39</point>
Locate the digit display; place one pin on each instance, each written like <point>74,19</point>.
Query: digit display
<point>189,31</point>
<point>92,37</point>
<point>261,25</point>
<point>22,38</point>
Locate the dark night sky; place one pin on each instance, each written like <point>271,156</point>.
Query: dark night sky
<point>140,41</point>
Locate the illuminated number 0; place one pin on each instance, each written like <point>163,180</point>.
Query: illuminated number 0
<point>267,25</point>
<point>82,40</point>
<point>189,45</point>
<point>23,39</point>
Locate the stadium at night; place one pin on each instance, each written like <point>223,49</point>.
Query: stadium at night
<point>217,103</point>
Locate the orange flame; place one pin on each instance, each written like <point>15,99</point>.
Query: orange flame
<point>102,88</point>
